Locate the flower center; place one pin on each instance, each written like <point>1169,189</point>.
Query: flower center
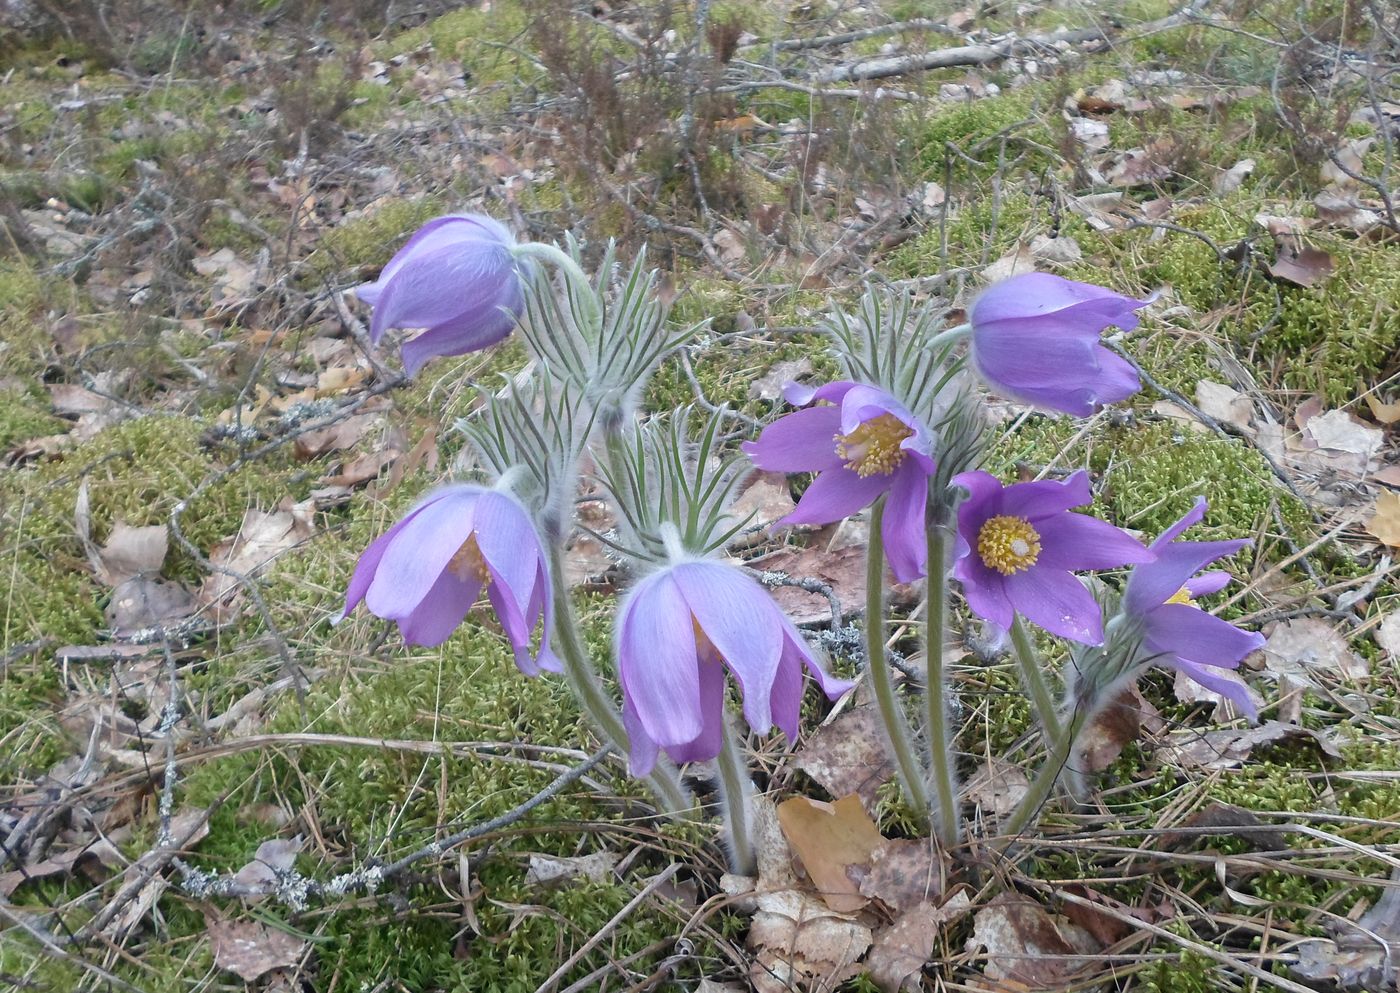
<point>872,449</point>
<point>1183,597</point>
<point>467,564</point>
<point>704,647</point>
<point>1008,544</point>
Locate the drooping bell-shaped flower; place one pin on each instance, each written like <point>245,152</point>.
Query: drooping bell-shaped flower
<point>1018,548</point>
<point>1035,338</point>
<point>1161,596</point>
<point>457,279</point>
<point>677,631</point>
<point>862,443</point>
<point>427,571</point>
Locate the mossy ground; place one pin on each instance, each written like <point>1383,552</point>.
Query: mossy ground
<point>392,151</point>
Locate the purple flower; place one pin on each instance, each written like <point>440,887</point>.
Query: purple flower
<point>457,279</point>
<point>1161,595</point>
<point>862,443</point>
<point>1018,546</point>
<point>676,632</point>
<point>1035,338</point>
<point>427,570</point>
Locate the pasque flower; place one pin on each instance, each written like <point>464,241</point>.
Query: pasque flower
<point>1035,338</point>
<point>457,279</point>
<point>677,630</point>
<point>1161,596</point>
<point>1019,545</point>
<point>427,571</point>
<point>862,443</point>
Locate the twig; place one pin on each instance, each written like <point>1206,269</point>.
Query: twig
<point>963,55</point>
<point>846,37</point>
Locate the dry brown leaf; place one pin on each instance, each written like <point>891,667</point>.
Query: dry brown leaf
<point>1231,179</point>
<point>131,551</point>
<point>1386,413</point>
<point>262,537</point>
<point>848,754</point>
<point>1231,821</point>
<point>273,856</point>
<point>1388,634</point>
<point>1385,523</point>
<point>833,840</point>
<point>1230,748</point>
<point>1142,166</point>
<point>1028,946</point>
<point>145,602</point>
<point>904,872</point>
<point>551,871</point>
<point>342,434</point>
<point>998,786</point>
<point>1062,250</point>
<point>843,570</point>
<point>249,949</point>
<point>802,944</point>
<point>1354,959</point>
<point>1345,210</point>
<point>1305,647</point>
<point>1301,265</point>
<point>1115,727</point>
<point>899,952</point>
<point>1339,172</point>
<point>1225,404</point>
<point>1014,263</point>
<point>362,468</point>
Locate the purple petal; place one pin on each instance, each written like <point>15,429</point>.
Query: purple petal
<point>835,494</point>
<point>641,750</point>
<point>1058,602</point>
<point>1193,516</point>
<point>740,619</point>
<point>1207,583</point>
<point>1035,294</point>
<point>799,394</point>
<point>419,553</point>
<point>440,611</point>
<point>1233,690</point>
<point>433,289</point>
<point>796,647</point>
<point>904,529</point>
<point>1045,497</point>
<point>508,545</point>
<point>1190,633</point>
<point>787,689</point>
<point>441,232</point>
<point>985,590</point>
<point>656,661</point>
<point>706,744</point>
<point>369,563</point>
<point>1156,582</point>
<point>1076,541</point>
<point>803,441</point>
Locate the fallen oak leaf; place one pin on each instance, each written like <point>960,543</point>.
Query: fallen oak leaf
<point>1300,264</point>
<point>899,951</point>
<point>250,949</point>
<point>1384,525</point>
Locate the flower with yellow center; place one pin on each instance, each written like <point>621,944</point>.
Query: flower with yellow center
<point>1183,597</point>
<point>1008,544</point>
<point>874,448</point>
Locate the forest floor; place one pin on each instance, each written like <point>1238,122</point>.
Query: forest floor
<point>197,445</point>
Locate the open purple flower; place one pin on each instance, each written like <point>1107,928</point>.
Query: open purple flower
<point>862,443</point>
<point>427,570</point>
<point>1018,547</point>
<point>1035,338</point>
<point>457,279</point>
<point>677,631</point>
<point>1161,595</point>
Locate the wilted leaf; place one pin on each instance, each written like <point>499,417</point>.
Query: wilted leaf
<point>900,950</point>
<point>802,944</point>
<point>1308,646</point>
<point>1341,432</point>
<point>273,856</point>
<point>1089,132</point>
<point>1115,727</point>
<point>764,500</point>
<point>998,786</point>
<point>1231,179</point>
<point>1230,748</point>
<point>1063,249</point>
<point>832,839</point>
<point>249,949</point>
<point>842,569</point>
<point>555,871</point>
<point>1343,209</point>
<point>848,755</point>
<point>1386,413</point>
<point>144,602</point>
<point>1014,263</point>
<point>1354,959</point>
<point>131,551</point>
<point>1388,634</point>
<point>1142,166</point>
<point>1222,819</point>
<point>1385,523</point>
<point>342,434</point>
<point>73,401</point>
<point>1025,945</point>
<point>1338,170</point>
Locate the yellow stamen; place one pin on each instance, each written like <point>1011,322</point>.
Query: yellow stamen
<point>1008,544</point>
<point>872,449</point>
<point>467,563</point>
<point>1183,597</point>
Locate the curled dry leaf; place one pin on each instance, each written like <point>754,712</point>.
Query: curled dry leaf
<point>1221,819</point>
<point>899,952</point>
<point>262,537</point>
<point>249,949</point>
<point>1225,404</point>
<point>273,856</point>
<point>1359,956</point>
<point>1385,522</point>
<point>556,871</point>
<point>1115,727</point>
<point>765,499</point>
<point>1301,265</point>
<point>1388,634</point>
<point>1385,413</point>
<point>142,603</point>
<point>1026,945</point>
<point>836,842</point>
<point>131,551</point>
<point>904,873</point>
<point>1231,179</point>
<point>770,385</point>
<point>1230,748</point>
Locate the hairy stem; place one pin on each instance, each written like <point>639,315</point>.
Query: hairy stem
<point>1034,677</point>
<point>1062,747</point>
<point>736,795</point>
<point>944,810</point>
<point>911,773</point>
<point>665,780</point>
